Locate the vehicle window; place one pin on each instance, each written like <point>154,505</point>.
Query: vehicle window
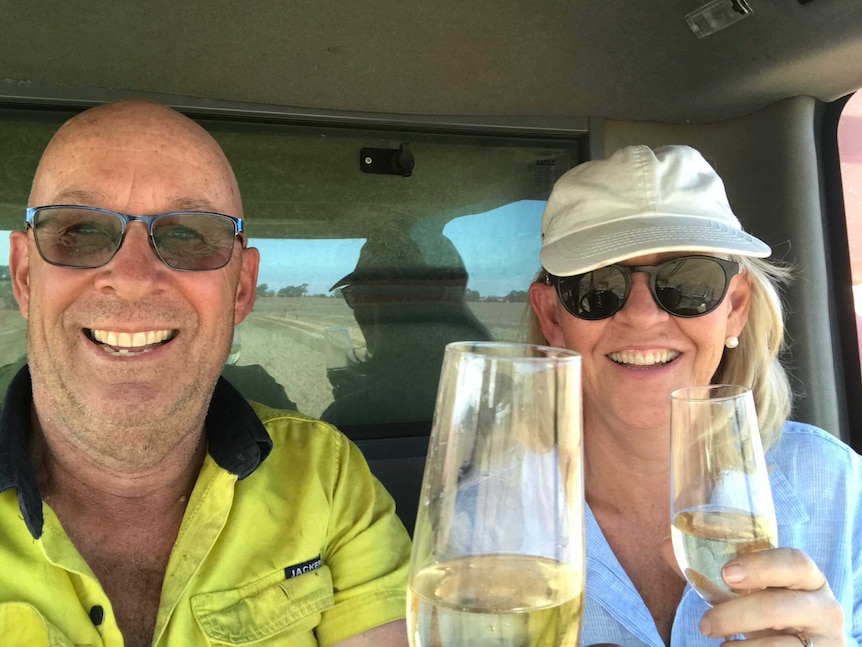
<point>364,276</point>
<point>850,151</point>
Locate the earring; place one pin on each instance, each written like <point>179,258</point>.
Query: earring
<point>731,342</point>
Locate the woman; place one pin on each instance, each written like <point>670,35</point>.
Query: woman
<point>649,276</point>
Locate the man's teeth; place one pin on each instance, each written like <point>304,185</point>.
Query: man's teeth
<point>131,340</point>
<point>648,358</point>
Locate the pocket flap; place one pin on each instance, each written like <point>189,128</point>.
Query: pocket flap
<point>265,608</point>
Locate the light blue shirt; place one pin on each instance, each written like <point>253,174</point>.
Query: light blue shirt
<point>817,488</point>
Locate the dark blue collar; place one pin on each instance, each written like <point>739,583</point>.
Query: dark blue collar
<point>236,439</point>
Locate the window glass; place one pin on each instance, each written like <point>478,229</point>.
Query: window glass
<point>850,150</point>
<point>364,276</point>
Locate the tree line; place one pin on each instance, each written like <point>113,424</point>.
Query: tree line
<point>263,290</point>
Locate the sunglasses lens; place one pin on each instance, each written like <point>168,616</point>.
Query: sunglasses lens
<point>194,241</point>
<point>594,295</point>
<point>76,237</point>
<point>349,294</point>
<point>691,286</point>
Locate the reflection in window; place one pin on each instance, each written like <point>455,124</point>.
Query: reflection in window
<point>368,319</point>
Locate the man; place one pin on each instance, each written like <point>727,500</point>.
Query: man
<point>144,501</point>
<point>408,305</point>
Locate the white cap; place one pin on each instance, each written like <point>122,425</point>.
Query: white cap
<point>637,202</point>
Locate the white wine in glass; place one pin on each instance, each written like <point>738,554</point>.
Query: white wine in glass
<point>498,549</point>
<point>721,500</point>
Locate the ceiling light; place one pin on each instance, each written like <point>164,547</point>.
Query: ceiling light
<point>717,15</point>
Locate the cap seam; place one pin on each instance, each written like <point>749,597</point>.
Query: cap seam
<point>650,196</point>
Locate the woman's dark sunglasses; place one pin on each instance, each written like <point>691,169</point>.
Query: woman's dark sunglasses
<point>83,238</point>
<point>690,286</point>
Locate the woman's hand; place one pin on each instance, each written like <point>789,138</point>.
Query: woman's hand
<point>783,593</point>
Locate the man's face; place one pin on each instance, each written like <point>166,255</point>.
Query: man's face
<point>133,347</point>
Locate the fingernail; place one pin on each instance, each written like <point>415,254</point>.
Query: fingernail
<point>733,573</point>
<point>705,626</point>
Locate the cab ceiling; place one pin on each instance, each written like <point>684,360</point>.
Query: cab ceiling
<point>619,59</point>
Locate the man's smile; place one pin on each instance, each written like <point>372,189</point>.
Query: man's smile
<point>126,343</point>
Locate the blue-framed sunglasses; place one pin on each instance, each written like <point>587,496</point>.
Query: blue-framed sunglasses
<point>689,286</point>
<point>80,237</point>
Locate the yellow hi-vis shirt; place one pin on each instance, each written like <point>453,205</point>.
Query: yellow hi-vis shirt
<point>300,549</point>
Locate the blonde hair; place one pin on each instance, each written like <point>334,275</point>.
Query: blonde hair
<point>755,362</point>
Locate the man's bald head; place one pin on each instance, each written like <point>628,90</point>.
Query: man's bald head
<point>132,126</point>
<point>132,402</point>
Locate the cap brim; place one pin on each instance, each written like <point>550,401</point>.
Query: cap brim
<point>615,241</point>
<point>344,280</point>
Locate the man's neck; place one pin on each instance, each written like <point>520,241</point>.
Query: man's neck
<point>63,469</point>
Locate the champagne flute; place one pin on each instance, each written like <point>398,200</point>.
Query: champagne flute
<point>498,548</point>
<point>721,500</point>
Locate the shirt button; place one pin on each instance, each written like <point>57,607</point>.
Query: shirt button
<point>97,614</point>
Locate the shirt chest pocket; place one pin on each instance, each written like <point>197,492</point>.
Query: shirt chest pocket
<point>273,607</point>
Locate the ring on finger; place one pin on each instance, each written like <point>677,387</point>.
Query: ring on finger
<point>805,640</point>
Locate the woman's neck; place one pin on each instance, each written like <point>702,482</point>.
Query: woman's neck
<point>626,468</point>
